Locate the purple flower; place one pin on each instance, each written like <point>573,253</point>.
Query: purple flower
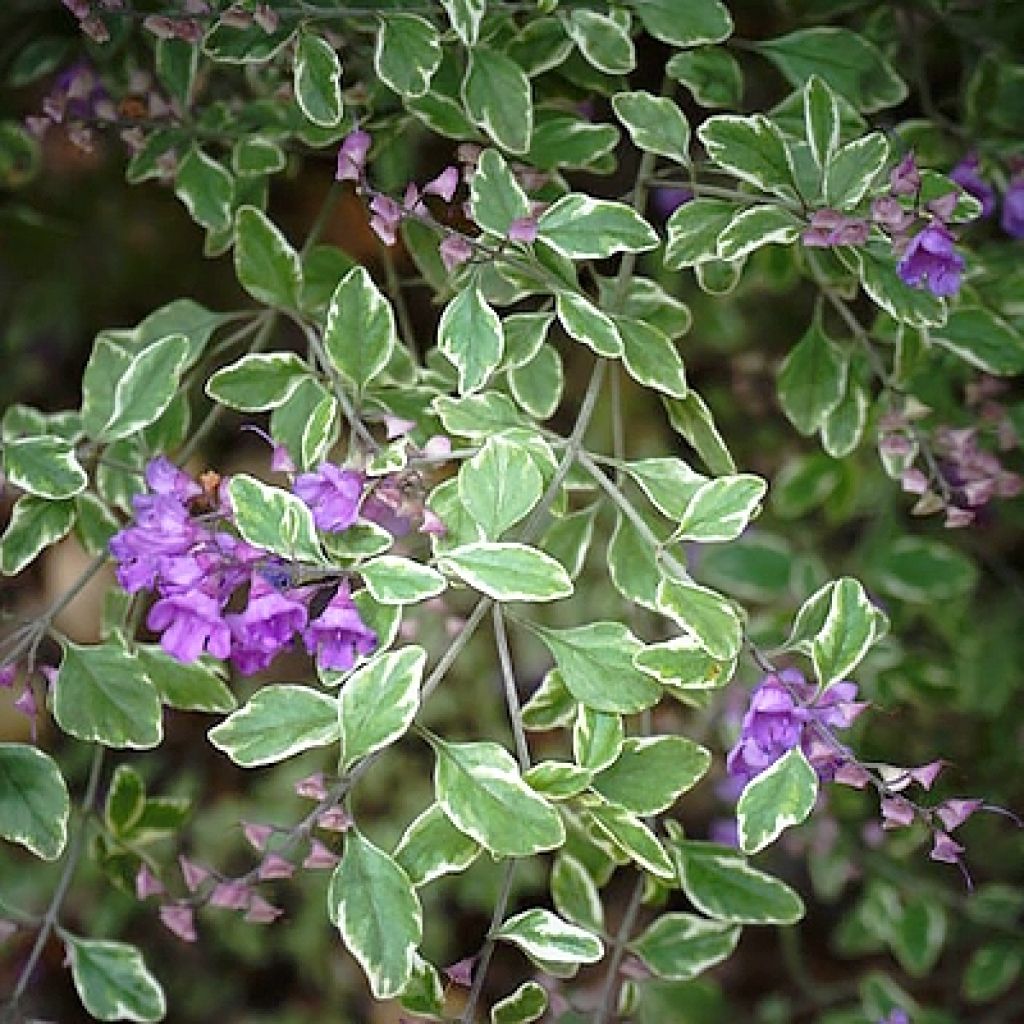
<point>190,622</point>
<point>895,1017</point>
<point>966,175</point>
<point>830,227</point>
<point>339,635</point>
<point>932,260</point>
<point>1012,217</point>
<point>905,179</point>
<point>945,848</point>
<point>454,251</point>
<point>333,494</point>
<point>665,201</point>
<point>352,156</point>
<point>444,185</point>
<point>889,213</point>
<point>782,714</point>
<point>7,674</point>
<point>266,627</point>
<point>523,229</point>
<point>387,215</point>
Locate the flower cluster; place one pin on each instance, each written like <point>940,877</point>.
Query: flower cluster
<point>785,711</point>
<point>179,547</point>
<point>967,174</point>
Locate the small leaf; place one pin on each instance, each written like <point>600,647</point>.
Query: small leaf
<point>983,339</point>
<point>268,268</point>
<point>691,417</point>
<point>694,229</point>
<point>603,42</point>
<point>633,837</point>
<point>407,55</point>
<point>752,148</point>
<point>846,634</point>
<point>575,895</point>
<point>650,357</point>
<point>854,169</point>
<point>781,796</point>
<point>654,124</point>
<point>499,486</point>
<point>545,936</point>
<point>391,579</point>
<point>465,16</point>
<point>597,738</point>
<point>279,722</point>
<point>317,80</point>
<point>470,335</point>
<point>679,947</point>
<point>821,120</point>
<point>34,802</point>
<point>497,198</point>
<point>704,615</point>
<point>44,466</point>
<point>197,687</point>
<point>525,1005</point>
<point>584,322</point>
<point>35,524</point>
<point>581,227</point>
<point>498,98</point>
<point>507,571</point>
<point>206,188</point>
<point>812,379</point>
<point>258,381</point>
<point>755,227</point>
<point>691,24</point>
<point>432,846</point>
<point>375,907</point>
<point>684,665</point>
<point>273,519</point>
<point>712,75</point>
<point>112,980</point>
<point>651,773</point>
<point>721,508</point>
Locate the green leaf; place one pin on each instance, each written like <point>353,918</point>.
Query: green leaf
<point>650,357</point>
<point>206,188</point>
<point>982,339</point>
<point>691,417</point>
<point>423,994</point>
<point>379,701</point>
<point>378,914</point>
<point>537,385</point>
<point>781,796</point>
<point>228,44</point>
<point>544,936</point>
<point>477,416</point>
<point>126,800</point>
<point>103,695</point>
<point>507,571</point>
<point>470,335</point>
<point>633,564</point>
<point>498,98</point>
<point>852,65</point>
<point>721,508</point>
<point>683,664</point>
<point>268,268</point>
<point>392,579</point>
<point>821,120</point>
<point>854,169</point>
<point>704,615</point>
<point>432,846</point>
<point>34,802</point>
<point>279,722</point>
<point>679,947</point>
<point>112,980</point>
<point>254,156</point>
<point>627,832</point>
<point>95,524</point>
<point>497,198</point>
<point>712,75</point>
<point>654,124</point>
<point>603,42</point>
<point>812,379</point>
<point>691,24</point>
<point>558,780</point>
<point>273,519</point>
<point>196,687</point>
<point>567,142</point>
<point>575,895</point>
<point>44,466</point>
<point>584,322</point>
<point>669,483</point>
<point>37,58</point>
<point>360,335</point>
<point>551,705</point>
<point>408,53</point>
<point>652,773</point>
<point>693,231</point>
<point>596,664</point>
<point>919,935</point>
<point>923,571</point>
<point>479,787</point>
<point>525,1005</point>
<point>317,80</point>
<point>524,334</point>
<point>258,382</point>
<point>499,486</point>
<point>465,16</point>
<point>991,971</point>
<point>752,148</point>
<point>843,428</point>
<point>718,881</point>
<point>846,634</point>
<point>35,524</point>
<point>581,227</point>
<point>755,227</point>
<point>597,738</point>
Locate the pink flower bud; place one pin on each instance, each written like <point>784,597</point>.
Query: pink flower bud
<point>319,857</point>
<point>926,774</point>
<point>158,25</point>
<point>395,426</point>
<point>335,819</point>
<point>461,972</point>
<point>230,896</point>
<point>267,18</point>
<point>957,518</point>
<point>352,156</point>
<point>905,180</point>
<point>257,836</point>
<point>946,849</point>
<point>275,866</point>
<point>454,251</point>
<point>953,813</point>
<point>896,812</point>
<point>913,481</point>
<point>280,460</point>
<point>523,229</point>
<point>179,919</point>
<point>944,206</point>
<point>849,773</point>
<point>193,874</point>
<point>437,447</point>
<point>432,524</point>
<point>444,185</point>
<point>146,883</point>
<point>7,674</point>
<point>262,912</point>
<point>95,29</point>
<point>311,787</point>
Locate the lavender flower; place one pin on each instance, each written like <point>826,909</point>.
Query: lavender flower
<point>352,156</point>
<point>1012,217</point>
<point>387,215</point>
<point>966,175</point>
<point>444,185</point>
<point>523,229</point>
<point>830,227</point>
<point>190,622</point>
<point>266,627</point>
<point>338,635</point>
<point>333,494</point>
<point>665,201</point>
<point>905,179</point>
<point>931,259</point>
<point>454,251</point>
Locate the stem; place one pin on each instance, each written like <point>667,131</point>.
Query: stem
<point>74,853</point>
<point>511,693</point>
<point>611,979</point>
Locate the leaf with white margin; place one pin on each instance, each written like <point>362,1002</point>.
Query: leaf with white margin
<point>582,228</point>
<point>683,664</point>
<point>258,381</point>
<point>432,846</point>
<point>45,467</point>
<point>703,614</point>
<point>112,980</point>
<point>274,519</point>
<point>721,509</point>
<point>35,524</point>
<point>854,168</point>
<point>279,722</point>
<point>575,894</point>
<point>652,772</point>
<point>631,836</point>
<point>407,54</point>
<point>470,336</point>
<point>781,796</point>
<point>424,993</point>
<point>507,571</point>
<point>499,485</point>
<point>34,802</point>
<point>755,227</point>
<point>391,579</point>
<point>268,268</point>
<point>602,41</point>
<point>465,16</point>
<point>479,787</point>
<point>376,910</point>
<point>654,123</point>
<point>496,197</point>
<point>846,634</point>
<point>360,335</point>
<point>718,881</point>
<point>679,946</point>
<point>525,1005</point>
<point>545,936</point>
<point>753,148</point>
<point>668,482</point>
<point>558,780</point>
<point>693,23</point>
<point>650,357</point>
<point>379,701</point>
<point>597,738</point>
<point>821,120</point>
<point>498,97</point>
<point>317,80</point>
<point>584,322</point>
